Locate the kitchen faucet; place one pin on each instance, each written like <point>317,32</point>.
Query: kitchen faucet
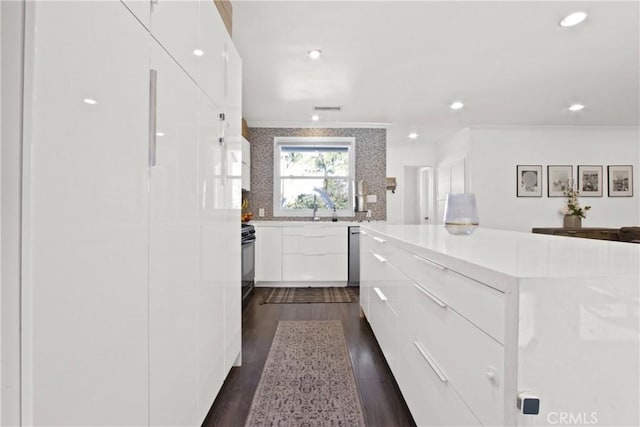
<point>315,208</point>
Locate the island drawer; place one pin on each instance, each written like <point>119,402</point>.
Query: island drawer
<point>468,359</point>
<point>477,302</point>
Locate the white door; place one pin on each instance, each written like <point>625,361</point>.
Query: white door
<point>173,247</point>
<point>425,191</point>
<point>85,216</point>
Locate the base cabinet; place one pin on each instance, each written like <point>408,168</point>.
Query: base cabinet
<point>301,253</point>
<point>432,399</point>
<point>466,329</point>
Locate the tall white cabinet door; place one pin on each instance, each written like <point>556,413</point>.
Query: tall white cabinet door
<point>233,204</point>
<point>85,209</point>
<point>174,24</point>
<point>141,9</point>
<point>213,256</point>
<point>173,247</point>
<point>212,37</point>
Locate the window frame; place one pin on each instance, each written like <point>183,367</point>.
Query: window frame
<point>346,142</point>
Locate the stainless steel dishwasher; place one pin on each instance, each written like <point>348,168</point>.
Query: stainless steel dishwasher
<point>354,256</point>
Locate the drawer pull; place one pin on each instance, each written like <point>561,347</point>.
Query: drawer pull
<point>377,239</point>
<point>571,232</point>
<point>380,294</point>
<point>379,257</point>
<point>438,266</point>
<point>430,296</point>
<point>431,362</point>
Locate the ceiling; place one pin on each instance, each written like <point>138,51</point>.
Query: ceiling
<point>403,63</point>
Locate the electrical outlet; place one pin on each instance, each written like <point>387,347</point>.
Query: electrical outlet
<point>261,212</point>
<point>372,198</point>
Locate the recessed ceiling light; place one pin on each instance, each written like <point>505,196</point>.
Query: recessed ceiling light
<point>90,101</point>
<point>457,105</point>
<point>159,133</point>
<point>573,19</point>
<point>315,117</point>
<point>315,53</point>
<point>413,135</point>
<point>198,52</point>
<point>576,107</point>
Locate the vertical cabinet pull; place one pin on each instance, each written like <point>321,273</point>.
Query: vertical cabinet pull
<point>431,362</point>
<point>153,99</point>
<point>380,294</point>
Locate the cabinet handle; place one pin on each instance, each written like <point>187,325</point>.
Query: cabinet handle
<point>571,232</point>
<point>430,296</point>
<point>153,124</point>
<point>379,258</point>
<point>380,294</point>
<point>431,263</point>
<point>377,239</point>
<point>431,362</point>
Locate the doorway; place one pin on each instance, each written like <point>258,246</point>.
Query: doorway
<point>418,195</point>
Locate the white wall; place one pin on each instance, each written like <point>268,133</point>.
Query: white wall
<point>400,155</point>
<point>495,152</point>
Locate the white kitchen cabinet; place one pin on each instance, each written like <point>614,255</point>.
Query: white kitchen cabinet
<point>131,263</point>
<point>268,253</point>
<point>314,253</point>
<point>425,340</point>
<point>176,26</point>
<point>141,9</point>
<point>85,216</point>
<point>246,165</point>
<point>213,36</point>
<point>212,222</point>
<point>174,248</point>
<point>482,318</point>
<point>232,107</point>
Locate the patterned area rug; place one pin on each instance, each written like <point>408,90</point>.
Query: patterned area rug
<point>307,379</point>
<point>311,295</point>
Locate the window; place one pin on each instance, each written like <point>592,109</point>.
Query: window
<point>312,172</point>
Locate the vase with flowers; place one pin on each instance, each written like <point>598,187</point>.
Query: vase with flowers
<point>572,211</point>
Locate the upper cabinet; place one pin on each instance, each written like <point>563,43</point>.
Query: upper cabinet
<point>173,25</point>
<point>141,9</point>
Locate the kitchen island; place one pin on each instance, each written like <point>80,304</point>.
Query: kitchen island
<point>468,324</point>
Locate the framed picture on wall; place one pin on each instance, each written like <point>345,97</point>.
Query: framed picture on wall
<point>559,180</point>
<point>620,181</point>
<point>590,181</point>
<point>529,180</point>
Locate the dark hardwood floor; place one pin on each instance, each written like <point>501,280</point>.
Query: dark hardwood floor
<point>382,403</point>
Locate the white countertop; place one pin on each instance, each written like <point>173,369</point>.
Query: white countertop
<point>517,254</point>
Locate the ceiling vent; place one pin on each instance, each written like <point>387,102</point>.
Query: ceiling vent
<point>325,108</point>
